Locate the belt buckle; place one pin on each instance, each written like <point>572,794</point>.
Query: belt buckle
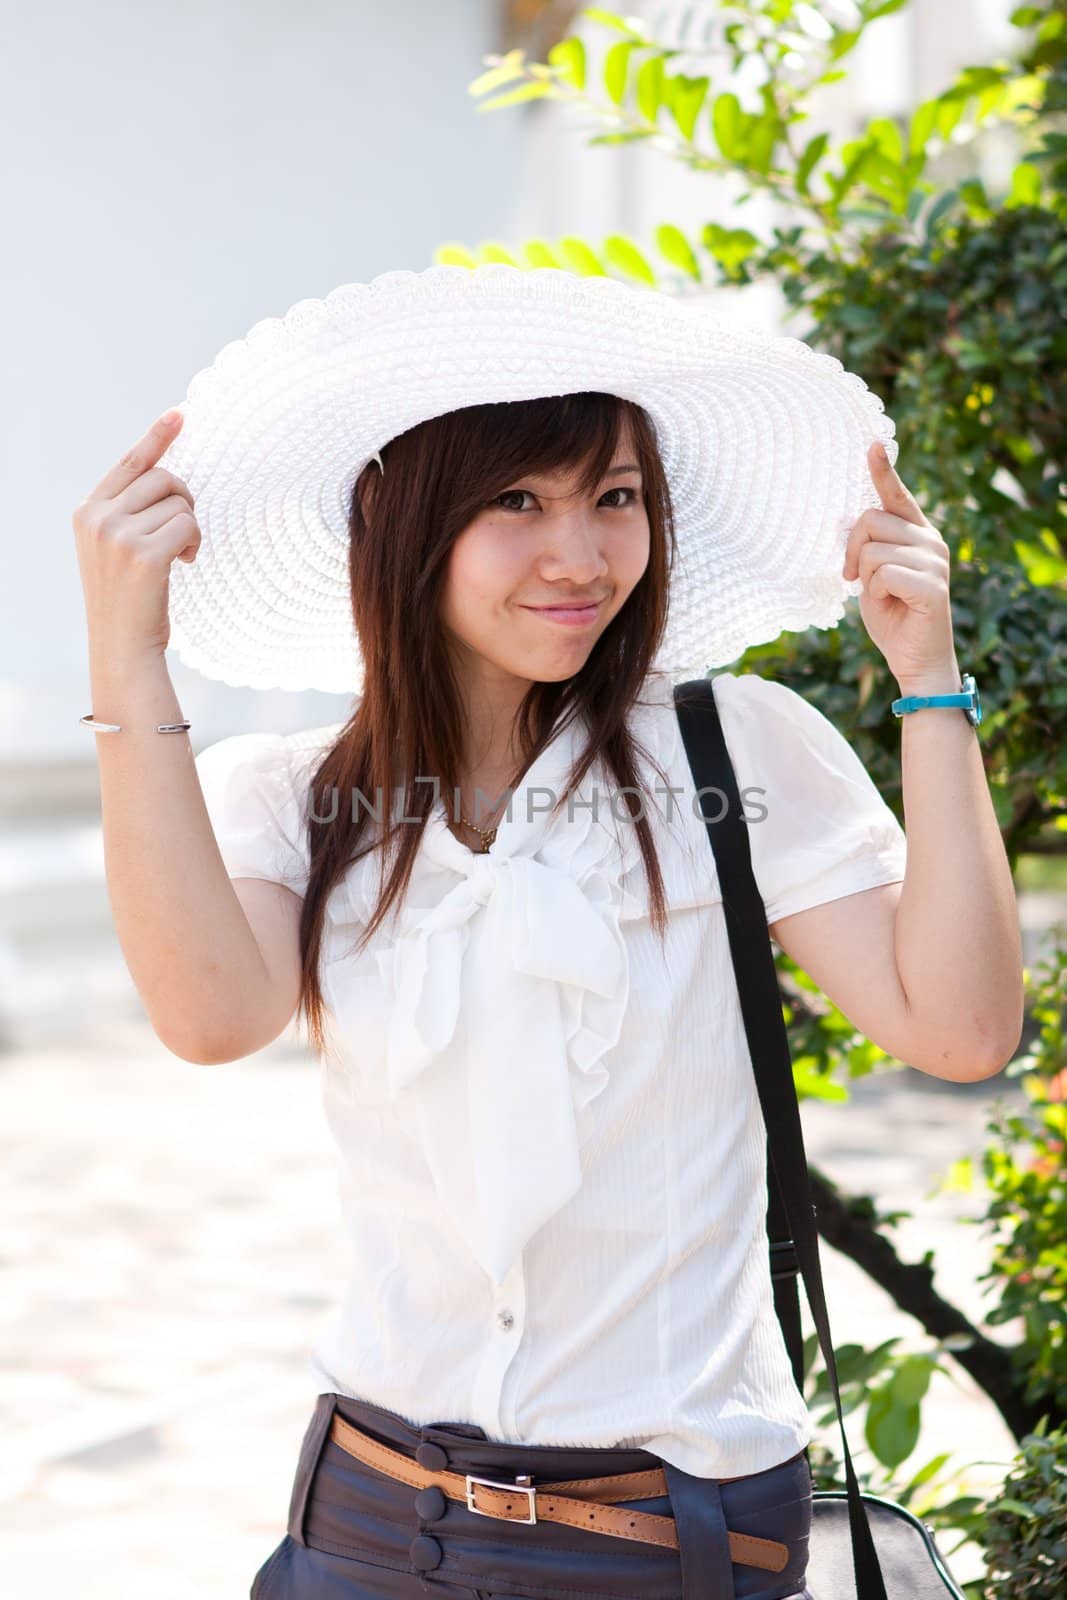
<point>519,1487</point>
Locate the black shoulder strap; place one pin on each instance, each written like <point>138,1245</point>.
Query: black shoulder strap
<point>791,1205</point>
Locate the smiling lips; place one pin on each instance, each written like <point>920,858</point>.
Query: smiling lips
<point>572,615</point>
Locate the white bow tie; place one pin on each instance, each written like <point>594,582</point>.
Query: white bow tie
<point>501,1001</point>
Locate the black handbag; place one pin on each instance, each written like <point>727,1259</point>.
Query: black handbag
<point>862,1546</point>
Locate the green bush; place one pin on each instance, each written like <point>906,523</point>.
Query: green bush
<point>1026,1526</point>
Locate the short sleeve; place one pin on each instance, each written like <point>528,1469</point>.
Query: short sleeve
<point>247,781</point>
<point>826,831</point>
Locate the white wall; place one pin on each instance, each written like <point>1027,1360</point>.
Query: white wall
<point>173,174</point>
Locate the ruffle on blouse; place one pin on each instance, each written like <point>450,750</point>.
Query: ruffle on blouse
<point>504,987</point>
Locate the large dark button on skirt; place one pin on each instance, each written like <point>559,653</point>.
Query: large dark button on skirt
<point>430,1503</point>
<point>425,1553</point>
<point>432,1457</point>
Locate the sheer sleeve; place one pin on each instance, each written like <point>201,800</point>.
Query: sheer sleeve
<point>818,826</point>
<point>247,781</point>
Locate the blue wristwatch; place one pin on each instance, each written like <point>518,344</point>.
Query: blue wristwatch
<point>967,699</point>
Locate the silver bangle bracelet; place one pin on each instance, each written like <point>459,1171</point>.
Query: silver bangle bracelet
<point>88,721</point>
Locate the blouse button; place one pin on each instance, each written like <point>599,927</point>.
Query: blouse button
<point>425,1553</point>
<point>505,1318</point>
<point>430,1503</point>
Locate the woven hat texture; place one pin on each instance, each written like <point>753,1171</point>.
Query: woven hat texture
<point>763,440</point>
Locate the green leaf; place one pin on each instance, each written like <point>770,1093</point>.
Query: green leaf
<point>685,98</point>
<point>1016,1507</point>
<point>726,123</point>
<point>581,258</point>
<point>616,68</point>
<point>856,155</point>
<point>631,25</point>
<point>937,211</point>
<point>912,1379</point>
<point>624,136</point>
<point>623,253</point>
<point>930,1470</point>
<point>812,153</point>
<point>648,88</point>
<point>673,245</point>
<point>506,72</point>
<point>949,113</point>
<point>539,253</point>
<point>1025,186</point>
<point>455,255</point>
<point>887,136</point>
<point>1042,569</point>
<point>491,251</point>
<point>959,1178</point>
<point>513,97</point>
<point>568,55</point>
<point>762,138</point>
<point>843,42</point>
<point>729,246</point>
<point>891,1430</point>
<point>923,124</point>
<point>813,1085</point>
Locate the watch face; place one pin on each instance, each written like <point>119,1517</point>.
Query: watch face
<point>974,712</point>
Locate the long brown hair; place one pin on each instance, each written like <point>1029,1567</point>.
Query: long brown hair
<point>408,721</point>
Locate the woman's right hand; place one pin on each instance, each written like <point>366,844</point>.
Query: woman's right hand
<point>128,530</point>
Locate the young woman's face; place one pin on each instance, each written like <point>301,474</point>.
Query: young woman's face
<point>538,544</point>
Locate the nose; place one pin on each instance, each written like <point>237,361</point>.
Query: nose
<point>572,548</point>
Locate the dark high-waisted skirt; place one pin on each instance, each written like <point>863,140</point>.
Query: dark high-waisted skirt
<point>356,1534</point>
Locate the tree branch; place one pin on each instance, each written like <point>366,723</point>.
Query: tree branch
<point>848,1224</point>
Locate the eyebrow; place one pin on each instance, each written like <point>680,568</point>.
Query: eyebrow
<point>613,472</point>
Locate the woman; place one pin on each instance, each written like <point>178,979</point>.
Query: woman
<point>466,497</point>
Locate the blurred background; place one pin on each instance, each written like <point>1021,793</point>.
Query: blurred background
<point>168,1240</point>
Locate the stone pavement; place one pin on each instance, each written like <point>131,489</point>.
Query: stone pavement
<point>170,1241</point>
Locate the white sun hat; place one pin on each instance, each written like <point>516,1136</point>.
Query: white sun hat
<point>764,442</point>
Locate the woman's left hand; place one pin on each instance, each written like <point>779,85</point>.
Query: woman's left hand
<point>904,564</point>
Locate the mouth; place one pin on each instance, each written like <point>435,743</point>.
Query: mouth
<point>575,616</point>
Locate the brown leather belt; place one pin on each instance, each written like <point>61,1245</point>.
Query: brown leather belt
<point>580,1502</point>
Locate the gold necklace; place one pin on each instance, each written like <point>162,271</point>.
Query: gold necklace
<point>487,835</point>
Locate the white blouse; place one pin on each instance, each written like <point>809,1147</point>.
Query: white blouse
<point>551,1153</point>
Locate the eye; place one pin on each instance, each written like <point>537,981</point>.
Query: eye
<point>619,506</point>
<point>509,494</point>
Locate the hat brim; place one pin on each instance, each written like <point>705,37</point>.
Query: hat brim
<point>764,442</point>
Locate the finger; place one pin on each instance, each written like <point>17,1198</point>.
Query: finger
<point>893,492</point>
<point>156,484</point>
<point>878,527</point>
<point>144,454</point>
<point>161,512</point>
<point>916,556</point>
<point>178,539</point>
<point>920,590</point>
<point>174,530</point>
